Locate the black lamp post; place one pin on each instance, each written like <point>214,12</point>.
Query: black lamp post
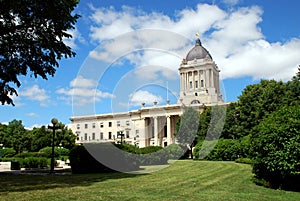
<point>1,147</point>
<point>121,134</point>
<point>54,121</point>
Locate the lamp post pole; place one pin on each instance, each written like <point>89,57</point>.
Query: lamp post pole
<point>1,147</point>
<point>54,121</point>
<point>60,146</point>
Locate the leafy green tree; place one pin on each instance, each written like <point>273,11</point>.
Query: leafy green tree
<point>187,127</point>
<point>41,138</point>
<point>232,127</point>
<point>32,40</point>
<point>276,148</point>
<point>258,101</point>
<point>3,134</point>
<point>17,136</point>
<point>204,121</point>
<point>65,137</point>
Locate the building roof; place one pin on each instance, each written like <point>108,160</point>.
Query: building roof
<point>197,52</point>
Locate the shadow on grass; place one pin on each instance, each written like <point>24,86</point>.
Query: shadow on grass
<point>28,182</point>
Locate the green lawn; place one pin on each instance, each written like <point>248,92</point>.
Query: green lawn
<point>184,180</point>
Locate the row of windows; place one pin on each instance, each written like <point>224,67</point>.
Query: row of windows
<point>196,84</point>
<point>102,124</point>
<point>101,136</point>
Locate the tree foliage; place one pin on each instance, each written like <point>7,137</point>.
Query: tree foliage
<point>14,135</point>
<point>187,127</point>
<point>32,40</point>
<point>276,148</point>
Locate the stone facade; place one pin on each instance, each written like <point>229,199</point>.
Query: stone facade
<point>155,125</point>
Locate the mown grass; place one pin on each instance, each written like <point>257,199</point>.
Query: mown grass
<point>184,180</point>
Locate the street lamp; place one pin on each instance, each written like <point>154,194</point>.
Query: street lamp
<point>1,147</point>
<point>121,134</point>
<point>54,121</point>
<point>60,147</point>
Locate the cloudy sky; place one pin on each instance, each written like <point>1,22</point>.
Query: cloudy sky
<point>129,52</point>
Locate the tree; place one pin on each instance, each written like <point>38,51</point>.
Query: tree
<point>42,137</point>
<point>276,148</point>
<point>187,128</point>
<point>16,136</point>
<point>31,40</point>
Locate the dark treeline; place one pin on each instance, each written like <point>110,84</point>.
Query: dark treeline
<point>14,135</point>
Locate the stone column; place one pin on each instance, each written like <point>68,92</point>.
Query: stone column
<point>186,81</point>
<point>169,131</point>
<point>206,83</point>
<point>212,78</point>
<point>155,131</point>
<point>193,75</point>
<point>145,131</point>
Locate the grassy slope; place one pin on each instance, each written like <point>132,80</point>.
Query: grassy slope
<point>184,180</point>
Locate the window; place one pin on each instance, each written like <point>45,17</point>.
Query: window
<point>137,133</point>
<point>127,134</point>
<point>93,136</point>
<point>127,123</point>
<point>78,126</point>
<point>85,125</point>
<point>191,84</point>
<point>101,136</point>
<point>109,135</point>
<point>202,83</point>
<point>196,83</point>
<point>94,125</point>
<point>195,102</point>
<point>85,136</point>
<point>118,123</point>
<point>110,124</point>
<point>101,124</point>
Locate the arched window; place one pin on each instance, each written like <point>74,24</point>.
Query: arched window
<point>195,102</point>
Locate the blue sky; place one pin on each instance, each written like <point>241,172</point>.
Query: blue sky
<point>129,51</point>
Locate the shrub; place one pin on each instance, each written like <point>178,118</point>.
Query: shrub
<point>29,162</point>
<point>222,149</point>
<point>34,162</point>
<point>58,151</point>
<point>152,155</point>
<point>276,144</point>
<point>8,152</point>
<point>150,149</point>
<point>244,160</point>
<point>29,154</point>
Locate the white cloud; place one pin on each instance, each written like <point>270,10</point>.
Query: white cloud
<point>36,94</point>
<point>32,114</point>
<point>76,37</point>
<point>82,91</point>
<point>233,37</point>
<point>231,2</point>
<point>143,96</point>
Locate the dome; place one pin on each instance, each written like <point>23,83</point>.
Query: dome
<point>197,52</point>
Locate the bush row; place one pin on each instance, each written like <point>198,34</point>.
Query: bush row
<point>28,162</point>
<point>223,149</point>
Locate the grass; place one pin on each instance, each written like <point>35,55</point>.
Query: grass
<point>184,180</point>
